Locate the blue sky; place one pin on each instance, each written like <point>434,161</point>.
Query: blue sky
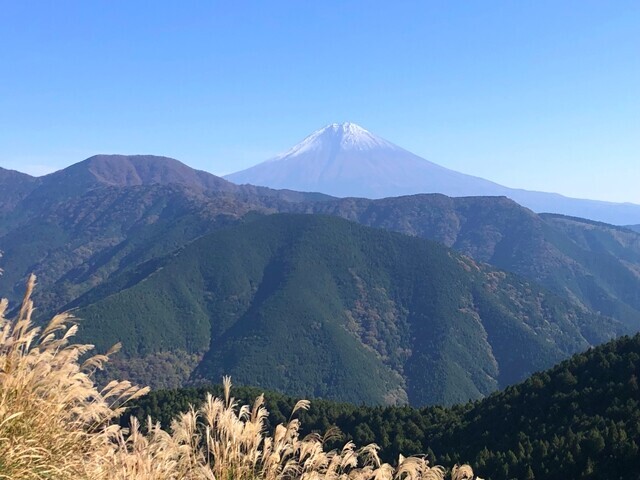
<point>542,95</point>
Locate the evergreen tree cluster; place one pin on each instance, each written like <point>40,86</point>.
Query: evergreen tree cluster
<point>581,419</point>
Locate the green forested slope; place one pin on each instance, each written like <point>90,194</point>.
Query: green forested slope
<point>589,262</point>
<point>321,307</point>
<point>107,214</point>
<point>580,419</point>
<point>14,186</point>
<point>77,244</point>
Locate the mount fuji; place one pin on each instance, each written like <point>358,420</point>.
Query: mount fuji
<point>345,160</point>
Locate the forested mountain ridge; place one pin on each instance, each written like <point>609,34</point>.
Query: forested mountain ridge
<point>14,186</point>
<point>76,244</point>
<point>107,214</point>
<point>34,196</point>
<point>592,263</point>
<point>314,305</point>
<point>579,419</point>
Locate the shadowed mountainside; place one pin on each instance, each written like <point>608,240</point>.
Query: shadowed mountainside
<point>14,186</point>
<point>592,263</point>
<point>339,311</point>
<point>109,213</point>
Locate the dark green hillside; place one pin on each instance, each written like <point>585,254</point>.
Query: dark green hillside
<point>595,264</point>
<point>80,243</point>
<point>580,419</point>
<point>321,307</point>
<point>14,186</point>
<point>109,213</point>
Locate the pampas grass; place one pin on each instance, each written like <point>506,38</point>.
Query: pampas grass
<point>52,417</point>
<point>56,424</point>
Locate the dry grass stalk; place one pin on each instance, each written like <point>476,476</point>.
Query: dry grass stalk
<point>52,416</point>
<point>224,441</point>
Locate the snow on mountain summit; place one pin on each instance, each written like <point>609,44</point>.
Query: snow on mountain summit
<point>345,136</point>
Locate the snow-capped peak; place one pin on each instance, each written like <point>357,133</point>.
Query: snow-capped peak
<point>343,136</point>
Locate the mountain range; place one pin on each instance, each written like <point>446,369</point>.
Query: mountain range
<point>107,235</point>
<point>345,160</point>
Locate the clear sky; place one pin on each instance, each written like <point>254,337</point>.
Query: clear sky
<point>536,94</point>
